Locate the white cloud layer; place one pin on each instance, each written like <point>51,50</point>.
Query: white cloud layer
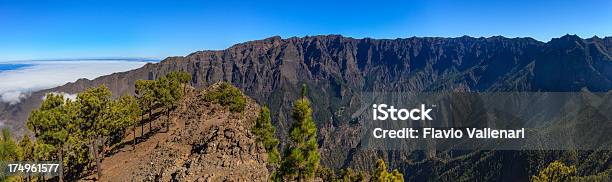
<point>17,84</point>
<point>71,97</point>
<point>12,97</point>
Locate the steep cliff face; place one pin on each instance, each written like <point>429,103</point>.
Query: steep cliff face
<point>339,69</point>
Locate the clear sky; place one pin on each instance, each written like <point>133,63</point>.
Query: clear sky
<point>128,28</point>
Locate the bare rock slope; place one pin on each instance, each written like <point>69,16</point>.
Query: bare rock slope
<point>206,142</point>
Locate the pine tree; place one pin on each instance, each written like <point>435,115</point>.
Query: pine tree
<point>146,98</point>
<point>556,171</point>
<point>163,95</point>
<point>382,173</point>
<point>168,93</point>
<point>181,77</point>
<point>301,159</point>
<point>349,175</point>
<point>128,111</point>
<point>116,121</point>
<point>54,123</point>
<point>76,143</point>
<point>9,150</point>
<point>95,109</point>
<point>27,148</point>
<point>264,130</point>
<point>175,80</point>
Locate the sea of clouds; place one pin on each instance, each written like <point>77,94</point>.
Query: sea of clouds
<point>17,84</point>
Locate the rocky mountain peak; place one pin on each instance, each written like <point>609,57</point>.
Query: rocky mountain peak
<point>567,41</point>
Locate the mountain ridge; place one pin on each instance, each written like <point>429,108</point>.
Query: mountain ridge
<point>270,42</point>
<point>338,69</point>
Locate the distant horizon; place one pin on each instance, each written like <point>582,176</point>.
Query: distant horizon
<point>101,58</point>
<point>159,29</point>
<point>162,58</point>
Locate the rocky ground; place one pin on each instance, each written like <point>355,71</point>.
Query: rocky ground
<point>205,142</point>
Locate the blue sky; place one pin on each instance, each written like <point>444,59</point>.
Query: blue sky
<point>130,28</point>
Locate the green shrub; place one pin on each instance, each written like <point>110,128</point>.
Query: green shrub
<point>227,95</point>
<point>264,130</point>
<point>556,171</point>
<point>382,173</point>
